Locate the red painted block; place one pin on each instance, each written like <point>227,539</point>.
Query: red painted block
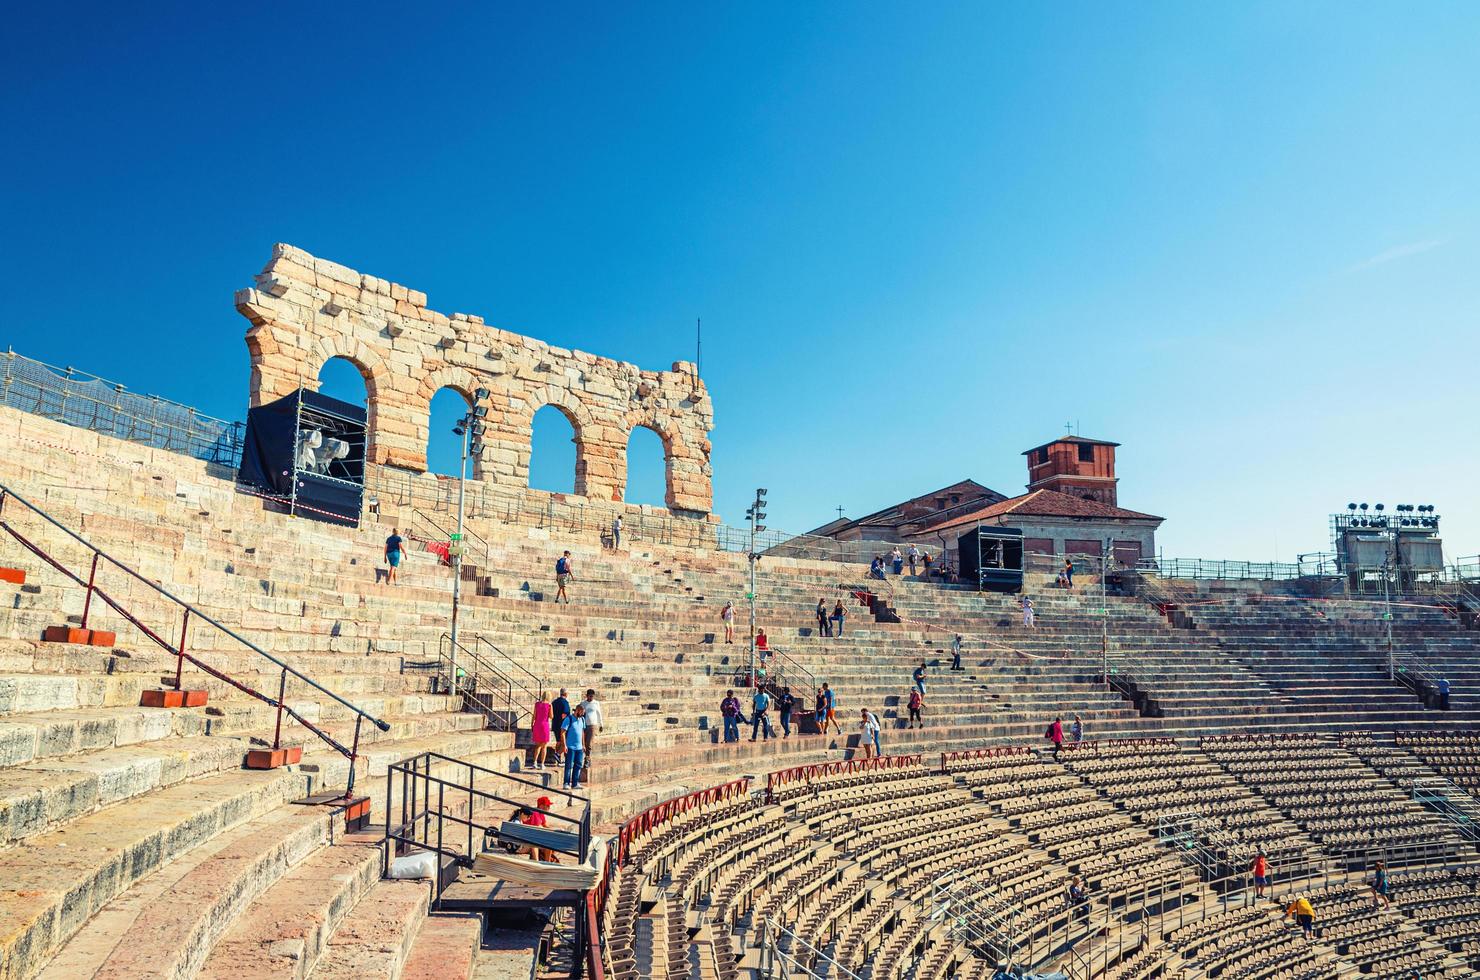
<point>160,698</point>
<point>13,575</point>
<point>274,758</point>
<point>166,698</point>
<point>65,634</point>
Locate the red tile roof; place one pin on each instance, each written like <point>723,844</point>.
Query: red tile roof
<point>1046,503</point>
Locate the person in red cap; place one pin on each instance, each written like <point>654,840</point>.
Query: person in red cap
<point>536,818</point>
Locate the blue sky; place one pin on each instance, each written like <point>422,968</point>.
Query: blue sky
<point>1241,239</point>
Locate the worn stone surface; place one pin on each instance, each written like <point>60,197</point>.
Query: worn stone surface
<point>305,310</point>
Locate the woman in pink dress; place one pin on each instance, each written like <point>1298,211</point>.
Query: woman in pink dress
<point>539,730</point>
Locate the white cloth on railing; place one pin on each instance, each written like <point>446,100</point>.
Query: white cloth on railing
<point>527,871</point>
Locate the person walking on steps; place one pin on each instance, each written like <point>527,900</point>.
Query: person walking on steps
<point>1305,915</point>
<point>617,532</point>
<point>591,709</point>
<point>869,734</point>
<point>830,704</point>
<point>919,677</point>
<point>1443,694</point>
<point>1055,734</point>
<point>785,704</point>
<point>760,707</point>
<point>727,616</point>
<point>393,556</point>
<point>564,574</point>
<point>914,557</point>
<point>1029,620</point>
<point>897,558</point>
<point>956,652</point>
<point>559,711</point>
<point>838,615</point>
<point>824,626</point>
<point>539,730</point>
<point>1259,868</point>
<point>819,712</point>
<point>916,702</point>
<point>729,710</point>
<point>1381,887</point>
<point>574,731</point>
<point>1068,574</point>
<point>1076,731</point>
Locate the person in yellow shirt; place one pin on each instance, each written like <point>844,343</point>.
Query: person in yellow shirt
<point>1304,914</point>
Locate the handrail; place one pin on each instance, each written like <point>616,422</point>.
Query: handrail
<point>539,685</point>
<point>782,665</point>
<point>482,672</point>
<point>92,588</point>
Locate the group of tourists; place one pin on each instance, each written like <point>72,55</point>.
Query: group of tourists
<point>830,623</point>
<point>571,730</point>
<point>1301,909</point>
<point>1055,734</point>
<point>919,562</point>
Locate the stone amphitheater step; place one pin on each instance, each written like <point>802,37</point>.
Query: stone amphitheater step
<point>284,929</point>
<point>445,948</point>
<point>375,939</point>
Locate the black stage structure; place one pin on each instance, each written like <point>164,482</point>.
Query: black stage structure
<point>992,557</point>
<point>307,450</point>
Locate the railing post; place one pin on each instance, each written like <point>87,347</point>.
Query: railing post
<point>92,576</point>
<point>180,654</point>
<point>354,754</point>
<point>277,731</point>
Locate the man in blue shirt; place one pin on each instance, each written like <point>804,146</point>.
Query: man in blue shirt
<point>559,711</point>
<point>760,705</point>
<point>574,731</point>
<point>729,710</point>
<point>920,678</point>
<point>1444,693</point>
<point>393,556</point>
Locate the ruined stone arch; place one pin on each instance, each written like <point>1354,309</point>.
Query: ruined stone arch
<point>304,310</point>
<point>371,368</point>
<point>576,412</point>
<point>673,447</point>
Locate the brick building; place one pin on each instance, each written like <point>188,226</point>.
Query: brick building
<point>1071,507</point>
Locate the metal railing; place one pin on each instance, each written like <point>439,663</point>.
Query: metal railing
<point>786,956</point>
<point>101,559</point>
<point>779,669</point>
<point>90,402</point>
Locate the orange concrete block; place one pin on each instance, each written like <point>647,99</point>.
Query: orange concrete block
<point>166,698</point>
<point>13,575</point>
<point>102,638</point>
<point>274,758</point>
<point>66,634</point>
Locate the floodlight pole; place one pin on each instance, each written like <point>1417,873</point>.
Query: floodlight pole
<point>1105,613</point>
<point>457,546</point>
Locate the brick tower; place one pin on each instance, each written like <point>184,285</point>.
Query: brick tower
<point>1076,466</point>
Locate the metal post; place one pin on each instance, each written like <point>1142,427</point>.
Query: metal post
<point>180,654</point>
<point>462,479</point>
<point>354,754</point>
<point>277,732</point>
<point>1387,615</point>
<point>91,577</point>
<point>751,557</point>
<point>1105,614</point>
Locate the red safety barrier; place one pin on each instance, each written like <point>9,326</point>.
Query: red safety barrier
<point>847,767</point>
<point>668,809</point>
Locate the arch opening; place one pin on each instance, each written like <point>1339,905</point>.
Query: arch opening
<point>647,468</point>
<point>444,448</point>
<point>554,451</point>
<point>342,378</point>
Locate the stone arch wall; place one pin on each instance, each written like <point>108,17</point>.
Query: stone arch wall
<point>303,310</point>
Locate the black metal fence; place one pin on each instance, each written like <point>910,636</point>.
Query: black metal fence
<point>90,402</point>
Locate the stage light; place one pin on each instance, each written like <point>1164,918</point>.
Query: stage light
<point>478,429</point>
<point>1364,507</point>
<point>1378,507</point>
<point>480,411</point>
<point>480,395</point>
<point>476,448</point>
<point>457,429</point>
<point>1351,506</point>
<point>760,494</point>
